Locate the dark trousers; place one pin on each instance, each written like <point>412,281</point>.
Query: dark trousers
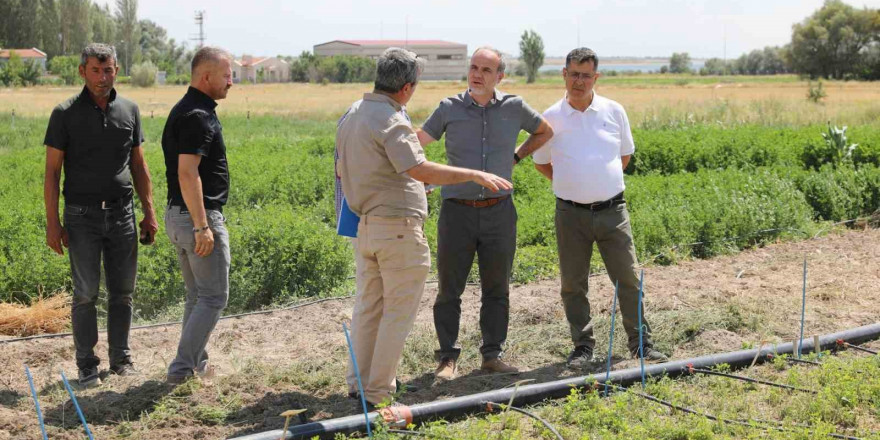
<point>490,233</point>
<point>576,230</point>
<point>95,233</point>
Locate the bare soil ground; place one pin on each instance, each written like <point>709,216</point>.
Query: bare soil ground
<point>296,359</point>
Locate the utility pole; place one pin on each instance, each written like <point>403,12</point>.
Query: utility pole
<point>406,44</point>
<point>200,21</point>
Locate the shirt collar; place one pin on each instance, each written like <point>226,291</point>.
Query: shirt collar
<point>379,97</point>
<point>200,97</point>
<point>88,96</point>
<point>497,95</point>
<point>569,110</point>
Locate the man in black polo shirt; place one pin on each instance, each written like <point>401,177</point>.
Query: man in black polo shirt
<point>96,137</point>
<point>198,186</point>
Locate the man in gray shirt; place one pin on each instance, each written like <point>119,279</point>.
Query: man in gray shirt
<point>382,165</point>
<point>481,125</point>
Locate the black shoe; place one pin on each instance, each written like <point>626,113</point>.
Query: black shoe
<point>89,377</point>
<point>651,355</point>
<point>354,395</point>
<point>124,369</point>
<point>580,356</point>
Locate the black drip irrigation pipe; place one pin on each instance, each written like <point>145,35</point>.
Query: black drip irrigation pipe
<point>535,393</point>
<point>528,414</point>
<point>751,380</point>
<point>752,423</point>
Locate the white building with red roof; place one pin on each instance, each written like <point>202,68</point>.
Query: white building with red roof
<point>260,70</point>
<point>27,55</point>
<point>445,60</point>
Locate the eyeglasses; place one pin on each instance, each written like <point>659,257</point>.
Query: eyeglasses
<point>581,76</point>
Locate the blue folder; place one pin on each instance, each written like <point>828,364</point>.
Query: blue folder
<point>347,223</point>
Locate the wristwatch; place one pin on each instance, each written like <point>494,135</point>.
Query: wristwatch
<point>203,228</point>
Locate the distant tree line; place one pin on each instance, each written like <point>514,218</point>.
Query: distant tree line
<point>838,42</point>
<point>331,69</point>
<point>61,28</point>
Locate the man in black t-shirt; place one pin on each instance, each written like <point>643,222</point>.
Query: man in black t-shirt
<point>198,186</point>
<point>96,138</point>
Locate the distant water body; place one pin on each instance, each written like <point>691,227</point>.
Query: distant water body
<point>626,67</point>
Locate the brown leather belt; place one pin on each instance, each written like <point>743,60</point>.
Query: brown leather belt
<point>483,203</point>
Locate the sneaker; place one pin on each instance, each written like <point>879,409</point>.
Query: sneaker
<point>581,356</point>
<point>124,369</point>
<point>651,355</point>
<point>88,377</point>
<point>498,366</point>
<point>447,369</point>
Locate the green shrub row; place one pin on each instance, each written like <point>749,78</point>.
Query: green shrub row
<point>282,227</point>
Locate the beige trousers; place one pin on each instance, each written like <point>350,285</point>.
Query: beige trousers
<point>393,260</point>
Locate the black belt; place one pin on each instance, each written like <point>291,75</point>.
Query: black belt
<point>597,206</point>
<point>104,204</point>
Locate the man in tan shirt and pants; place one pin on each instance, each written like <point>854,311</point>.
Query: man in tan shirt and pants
<point>382,167</point>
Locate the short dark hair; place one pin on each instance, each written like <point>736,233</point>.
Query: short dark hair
<point>396,68</point>
<point>208,54</point>
<point>102,52</point>
<point>582,55</point>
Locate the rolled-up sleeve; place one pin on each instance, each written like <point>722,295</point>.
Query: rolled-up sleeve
<point>402,144</point>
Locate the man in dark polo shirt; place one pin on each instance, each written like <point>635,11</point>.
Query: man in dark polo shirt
<point>198,186</point>
<point>481,126</point>
<point>96,138</point>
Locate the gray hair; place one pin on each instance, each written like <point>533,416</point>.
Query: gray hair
<point>208,54</point>
<point>102,52</point>
<point>502,64</point>
<point>396,68</point>
<point>582,55</point>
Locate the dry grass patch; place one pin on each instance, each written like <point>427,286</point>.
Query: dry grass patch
<point>45,315</point>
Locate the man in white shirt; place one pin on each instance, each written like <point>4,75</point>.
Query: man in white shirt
<point>585,160</point>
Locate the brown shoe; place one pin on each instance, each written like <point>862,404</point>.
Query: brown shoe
<point>446,370</point>
<point>498,366</point>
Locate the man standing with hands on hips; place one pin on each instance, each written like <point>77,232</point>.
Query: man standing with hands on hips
<point>481,125</point>
<point>198,187</point>
<point>585,161</point>
<point>96,138</point>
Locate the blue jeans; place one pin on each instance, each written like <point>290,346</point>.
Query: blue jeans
<point>207,286</point>
<point>95,232</point>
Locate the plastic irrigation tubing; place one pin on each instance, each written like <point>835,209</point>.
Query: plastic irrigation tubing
<point>749,423</point>
<point>749,379</point>
<point>529,414</point>
<point>163,324</point>
<point>534,393</point>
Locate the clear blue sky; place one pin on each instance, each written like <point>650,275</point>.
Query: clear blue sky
<point>612,28</point>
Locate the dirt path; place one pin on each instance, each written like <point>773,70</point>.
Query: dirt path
<point>270,363</point>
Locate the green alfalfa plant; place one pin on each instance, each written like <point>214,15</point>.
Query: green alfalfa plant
<point>815,94</point>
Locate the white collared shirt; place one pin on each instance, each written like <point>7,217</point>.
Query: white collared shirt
<point>586,149</point>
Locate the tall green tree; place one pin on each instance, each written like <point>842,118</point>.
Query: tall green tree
<point>103,24</point>
<point>680,63</point>
<point>831,42</point>
<point>74,25</point>
<point>127,25</point>
<point>531,53</point>
<point>49,28</point>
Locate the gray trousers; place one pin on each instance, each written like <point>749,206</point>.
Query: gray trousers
<point>577,229</point>
<point>207,286</point>
<point>95,233</point>
<point>490,233</point>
